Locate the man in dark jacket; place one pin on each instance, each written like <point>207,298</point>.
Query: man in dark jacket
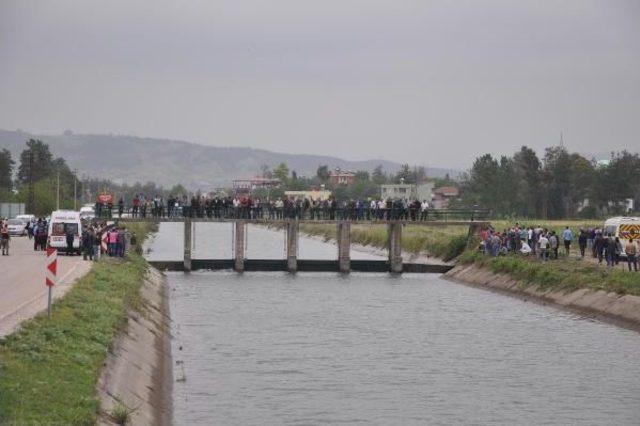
<point>70,237</point>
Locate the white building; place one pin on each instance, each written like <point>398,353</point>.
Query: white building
<point>410,191</point>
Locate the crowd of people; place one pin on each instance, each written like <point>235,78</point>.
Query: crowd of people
<point>546,244</point>
<point>90,240</point>
<point>247,207</point>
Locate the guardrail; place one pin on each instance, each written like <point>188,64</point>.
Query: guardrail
<point>311,214</point>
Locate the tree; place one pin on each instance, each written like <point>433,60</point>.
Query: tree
<point>282,172</point>
<point>527,168</point>
<point>404,174</point>
<point>323,173</point>
<point>36,154</point>
<point>480,185</point>
<point>379,176</point>
<point>362,175</point>
<point>265,172</point>
<point>6,171</point>
<point>556,179</point>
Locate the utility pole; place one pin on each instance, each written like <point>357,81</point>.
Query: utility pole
<point>58,192</point>
<point>31,199</point>
<point>75,189</point>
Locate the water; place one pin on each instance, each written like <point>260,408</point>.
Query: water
<point>271,349</point>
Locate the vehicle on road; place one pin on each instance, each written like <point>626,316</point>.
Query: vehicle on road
<point>17,227</point>
<point>26,218</point>
<point>62,222</point>
<point>625,228</point>
<point>87,212</point>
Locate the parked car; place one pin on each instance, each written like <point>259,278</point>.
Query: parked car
<point>26,218</point>
<point>87,212</point>
<point>17,227</point>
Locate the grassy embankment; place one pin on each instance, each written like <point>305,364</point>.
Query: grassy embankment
<point>450,242</point>
<point>49,369</point>
<point>566,274</point>
<point>445,242</point>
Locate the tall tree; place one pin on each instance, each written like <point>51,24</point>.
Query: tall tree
<point>480,185</point>
<point>36,162</point>
<point>323,173</point>
<point>556,182</point>
<point>282,172</point>
<point>6,170</point>
<point>379,176</point>
<point>527,168</point>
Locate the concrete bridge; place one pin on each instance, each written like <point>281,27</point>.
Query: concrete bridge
<point>343,264</point>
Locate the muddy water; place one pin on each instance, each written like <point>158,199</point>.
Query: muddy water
<point>271,349</point>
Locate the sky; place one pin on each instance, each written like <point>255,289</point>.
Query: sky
<point>413,81</point>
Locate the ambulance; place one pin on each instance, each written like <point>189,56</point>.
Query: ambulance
<point>625,228</point>
<point>63,221</point>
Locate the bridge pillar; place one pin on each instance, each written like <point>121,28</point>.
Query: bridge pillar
<point>187,245</point>
<point>474,231</point>
<point>394,232</point>
<point>292,245</point>
<point>344,246</point>
<point>239,245</point>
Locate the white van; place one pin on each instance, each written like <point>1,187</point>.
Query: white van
<point>63,221</point>
<point>625,228</point>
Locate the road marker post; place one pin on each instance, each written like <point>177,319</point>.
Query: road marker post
<point>51,271</point>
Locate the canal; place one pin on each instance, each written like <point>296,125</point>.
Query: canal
<point>306,349</point>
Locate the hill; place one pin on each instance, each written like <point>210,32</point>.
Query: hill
<point>129,159</point>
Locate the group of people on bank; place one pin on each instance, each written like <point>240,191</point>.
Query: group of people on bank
<point>247,207</point>
<point>546,244</point>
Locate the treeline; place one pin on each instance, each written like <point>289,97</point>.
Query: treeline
<point>558,185</point>
<point>42,181</point>
<point>38,175</point>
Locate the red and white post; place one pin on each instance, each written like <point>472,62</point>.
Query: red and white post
<point>50,273</point>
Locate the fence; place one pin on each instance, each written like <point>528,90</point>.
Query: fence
<point>11,210</point>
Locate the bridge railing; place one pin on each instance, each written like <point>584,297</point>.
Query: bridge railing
<point>266,213</point>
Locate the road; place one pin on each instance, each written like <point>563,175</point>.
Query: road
<point>22,290</point>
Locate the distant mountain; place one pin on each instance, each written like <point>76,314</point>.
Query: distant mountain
<point>128,159</point>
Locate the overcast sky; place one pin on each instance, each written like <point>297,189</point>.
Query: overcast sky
<point>423,82</point>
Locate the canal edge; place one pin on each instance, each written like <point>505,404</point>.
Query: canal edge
<point>620,310</point>
<point>138,371</point>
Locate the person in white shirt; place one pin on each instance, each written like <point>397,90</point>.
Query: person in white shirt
<point>543,244</point>
<point>424,210</point>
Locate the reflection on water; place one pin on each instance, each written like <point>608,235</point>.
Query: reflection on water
<point>274,348</point>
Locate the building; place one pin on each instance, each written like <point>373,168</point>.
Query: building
<point>341,177</point>
<point>245,186</point>
<point>410,191</point>
<point>314,194</point>
<point>443,195</point>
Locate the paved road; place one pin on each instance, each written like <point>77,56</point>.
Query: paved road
<point>22,290</point>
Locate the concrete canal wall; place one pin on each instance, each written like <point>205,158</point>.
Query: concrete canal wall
<point>138,371</point>
<point>621,310</point>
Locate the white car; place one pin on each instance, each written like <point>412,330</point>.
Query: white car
<point>87,213</point>
<point>17,227</point>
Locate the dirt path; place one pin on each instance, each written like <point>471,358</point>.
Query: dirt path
<point>22,290</point>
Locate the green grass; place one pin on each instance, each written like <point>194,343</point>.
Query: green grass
<point>444,242</point>
<point>566,274</point>
<point>49,369</point>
